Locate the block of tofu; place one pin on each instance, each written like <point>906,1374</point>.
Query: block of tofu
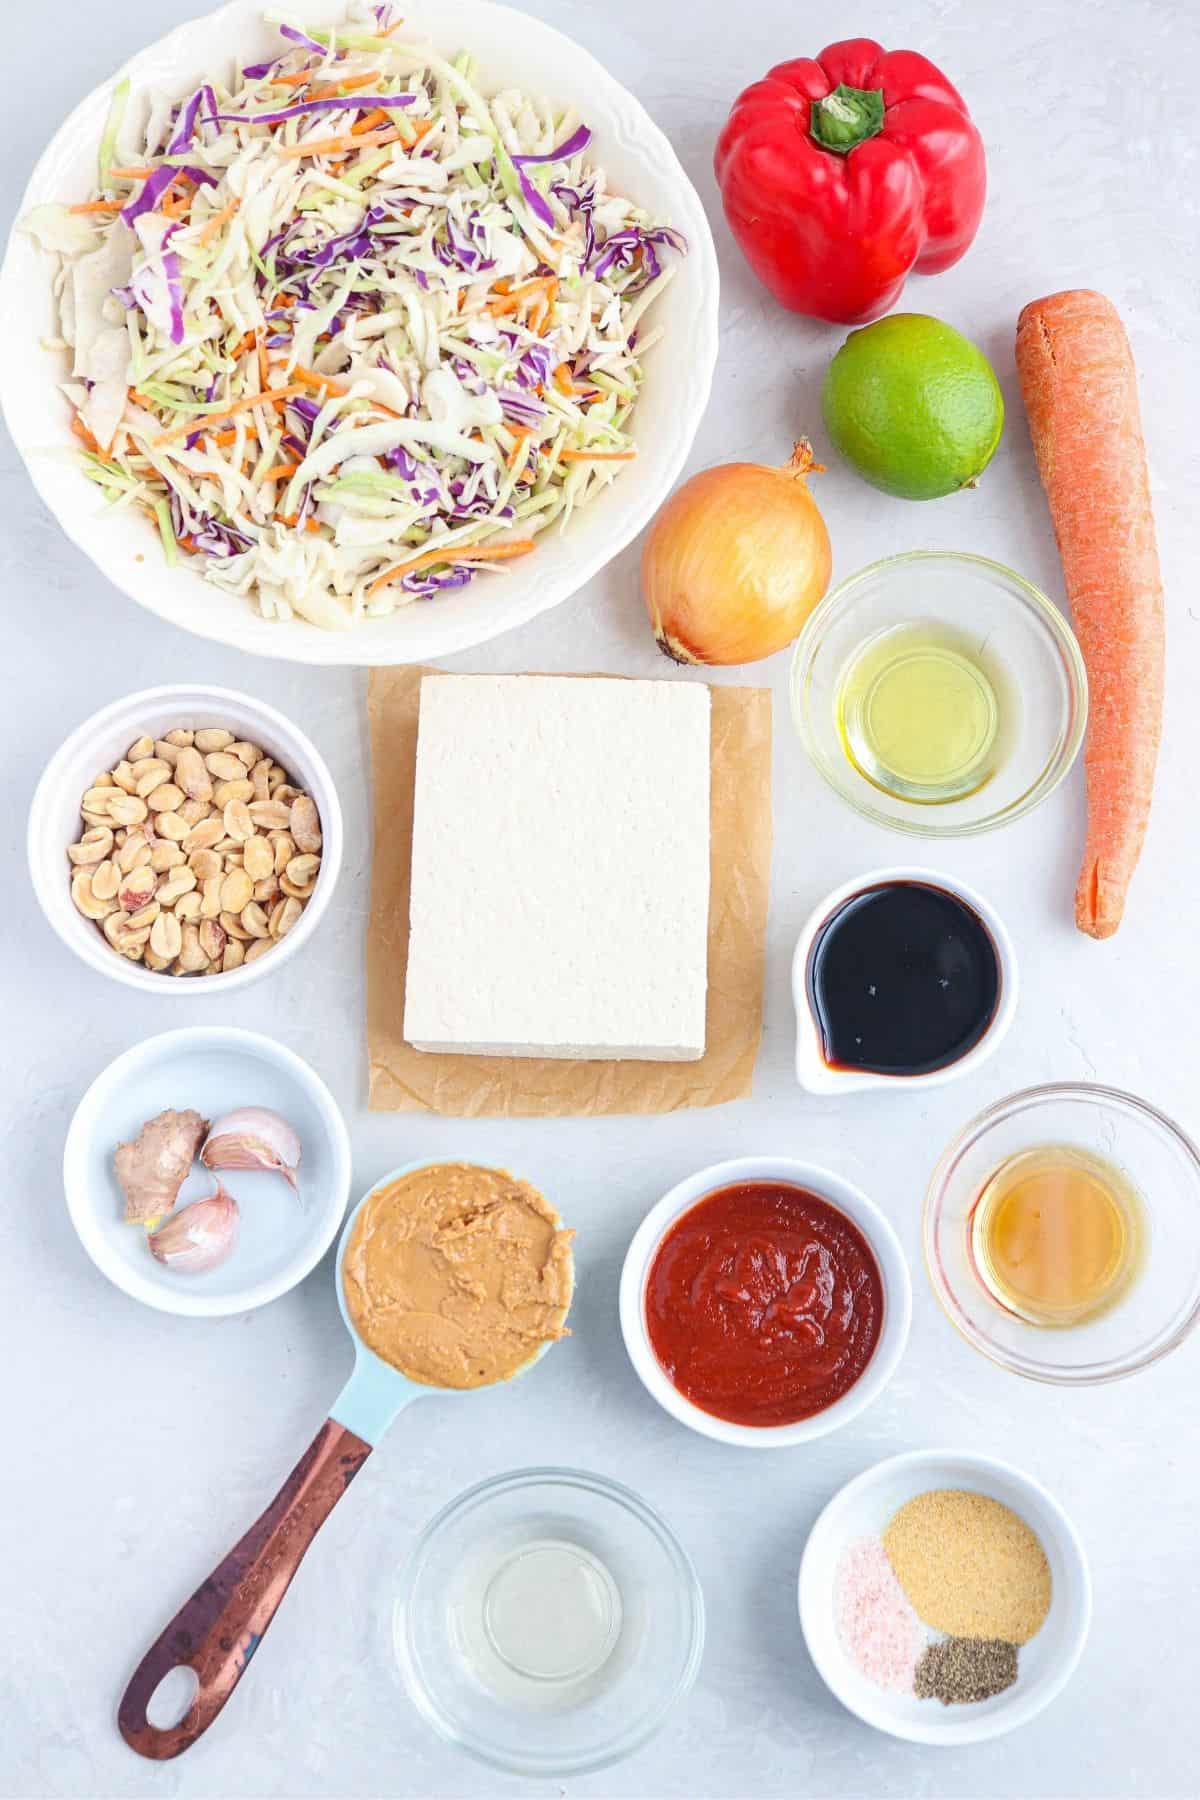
<point>560,868</point>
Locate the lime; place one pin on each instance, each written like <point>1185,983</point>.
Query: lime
<point>913,406</point>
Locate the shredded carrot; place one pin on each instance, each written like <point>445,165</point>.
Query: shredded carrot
<point>377,116</point>
<point>281,471</point>
<point>131,174</point>
<point>224,438</point>
<point>97,206</point>
<point>330,146</point>
<point>519,449</point>
<point>566,384</point>
<point>81,431</point>
<point>275,397</point>
<point>243,344</point>
<point>422,127</point>
<point>495,552</point>
<point>212,225</point>
<point>395,26</point>
<point>310,378</point>
<point>296,80</point>
<point>538,293</point>
<point>597,455</point>
<point>332,89</point>
<point>541,284</point>
<point>264,371</point>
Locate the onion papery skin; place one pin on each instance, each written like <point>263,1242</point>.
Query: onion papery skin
<point>735,562</point>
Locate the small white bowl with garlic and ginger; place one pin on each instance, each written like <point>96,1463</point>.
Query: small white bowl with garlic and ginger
<point>98,745</point>
<point>214,1071</point>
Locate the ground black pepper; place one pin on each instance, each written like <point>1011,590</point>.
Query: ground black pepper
<point>961,1670</point>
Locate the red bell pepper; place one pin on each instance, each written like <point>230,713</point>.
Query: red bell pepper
<point>843,174</point>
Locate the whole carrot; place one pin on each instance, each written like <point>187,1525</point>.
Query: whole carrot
<point>1079,386</point>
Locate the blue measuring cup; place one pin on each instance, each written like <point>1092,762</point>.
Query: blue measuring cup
<point>216,1632</point>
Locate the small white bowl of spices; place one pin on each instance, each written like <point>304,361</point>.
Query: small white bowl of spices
<point>944,1597</point>
<point>185,831</point>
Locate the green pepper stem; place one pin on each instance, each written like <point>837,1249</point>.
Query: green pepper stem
<point>846,117</point>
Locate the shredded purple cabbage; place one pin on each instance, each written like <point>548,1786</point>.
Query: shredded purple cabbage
<point>536,364</point>
<point>424,584</point>
<point>347,103</point>
<point>580,203</point>
<point>519,407</point>
<point>156,185</point>
<point>620,250</point>
<point>465,252</point>
<point>535,200</point>
<point>306,43</point>
<point>185,128</point>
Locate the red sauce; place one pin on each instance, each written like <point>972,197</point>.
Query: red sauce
<point>764,1303</point>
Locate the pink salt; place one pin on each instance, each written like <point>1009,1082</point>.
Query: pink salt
<point>879,1630</point>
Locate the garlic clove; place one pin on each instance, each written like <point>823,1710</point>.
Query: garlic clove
<point>198,1236</point>
<point>253,1137</point>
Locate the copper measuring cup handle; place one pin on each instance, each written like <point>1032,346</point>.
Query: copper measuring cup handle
<point>217,1631</point>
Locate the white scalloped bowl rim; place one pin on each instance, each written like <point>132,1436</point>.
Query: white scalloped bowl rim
<point>513,49</point>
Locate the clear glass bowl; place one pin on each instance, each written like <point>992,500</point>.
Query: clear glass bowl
<point>547,1621</point>
<point>1044,682</point>
<point>1163,1303</point>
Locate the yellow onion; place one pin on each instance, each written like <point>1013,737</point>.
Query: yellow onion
<point>735,562</point>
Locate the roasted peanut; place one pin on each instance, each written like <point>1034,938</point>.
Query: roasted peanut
<point>258,858</point>
<point>305,825</point>
<point>238,823</point>
<point>225,791</point>
<point>225,766</point>
<point>89,904</point>
<point>197,852</point>
<point>255,920</point>
<point>213,939</point>
<point>192,776</point>
<point>93,846</point>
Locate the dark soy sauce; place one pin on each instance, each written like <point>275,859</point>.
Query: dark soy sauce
<point>903,979</point>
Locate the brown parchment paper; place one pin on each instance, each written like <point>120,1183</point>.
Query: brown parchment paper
<point>406,1080</point>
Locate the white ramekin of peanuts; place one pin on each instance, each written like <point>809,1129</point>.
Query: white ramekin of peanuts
<point>185,832</point>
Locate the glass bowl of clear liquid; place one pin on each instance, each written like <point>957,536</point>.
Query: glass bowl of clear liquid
<point>939,693</point>
<point>547,1621</point>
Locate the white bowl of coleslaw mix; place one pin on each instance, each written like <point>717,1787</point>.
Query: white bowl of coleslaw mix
<point>364,338</point>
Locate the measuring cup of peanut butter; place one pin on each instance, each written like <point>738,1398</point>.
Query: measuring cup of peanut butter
<point>429,1230</point>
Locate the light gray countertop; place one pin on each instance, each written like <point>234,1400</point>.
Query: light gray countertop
<point>138,1447</point>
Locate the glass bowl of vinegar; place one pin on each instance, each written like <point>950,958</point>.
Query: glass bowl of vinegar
<point>1062,1234</point>
<point>939,693</point>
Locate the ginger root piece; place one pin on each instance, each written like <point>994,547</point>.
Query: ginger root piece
<point>153,1168</point>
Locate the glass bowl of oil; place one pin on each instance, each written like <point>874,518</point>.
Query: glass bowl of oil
<point>939,693</point>
<point>1062,1234</point>
<point>547,1621</point>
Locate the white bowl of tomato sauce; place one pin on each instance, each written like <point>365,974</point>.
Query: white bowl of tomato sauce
<point>765,1302</point>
